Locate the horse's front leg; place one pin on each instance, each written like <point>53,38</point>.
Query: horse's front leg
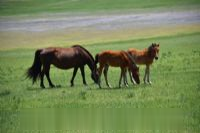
<point>131,77</point>
<point>145,74</point>
<point>120,79</point>
<point>83,75</point>
<point>100,72</point>
<point>105,72</point>
<point>148,76</point>
<point>74,74</point>
<point>125,78</point>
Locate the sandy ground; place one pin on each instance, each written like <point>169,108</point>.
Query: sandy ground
<point>100,22</point>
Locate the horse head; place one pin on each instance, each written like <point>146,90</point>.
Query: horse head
<point>154,50</point>
<point>95,74</point>
<point>134,69</point>
<point>135,74</point>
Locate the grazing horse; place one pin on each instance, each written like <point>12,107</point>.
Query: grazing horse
<point>63,58</point>
<point>145,57</point>
<point>116,59</point>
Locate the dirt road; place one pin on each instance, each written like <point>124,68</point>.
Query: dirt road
<point>100,22</point>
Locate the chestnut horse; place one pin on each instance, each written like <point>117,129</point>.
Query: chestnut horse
<point>145,57</point>
<point>116,59</point>
<point>63,58</point>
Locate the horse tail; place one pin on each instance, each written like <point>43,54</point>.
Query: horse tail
<point>35,70</point>
<point>96,58</point>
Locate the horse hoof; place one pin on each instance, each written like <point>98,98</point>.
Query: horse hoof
<point>110,86</point>
<point>42,86</point>
<point>150,82</point>
<point>58,86</point>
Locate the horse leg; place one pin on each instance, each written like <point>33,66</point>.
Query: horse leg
<point>145,75</point>
<point>46,70</point>
<point>131,77</point>
<point>42,79</point>
<point>83,75</point>
<point>100,72</point>
<point>105,72</point>
<point>125,78</point>
<point>148,76</point>
<point>120,79</point>
<point>74,74</point>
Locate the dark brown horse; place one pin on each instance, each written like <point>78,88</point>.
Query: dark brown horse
<point>63,58</point>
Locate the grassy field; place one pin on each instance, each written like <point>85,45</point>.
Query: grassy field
<point>27,7</point>
<point>175,78</point>
<point>138,108</point>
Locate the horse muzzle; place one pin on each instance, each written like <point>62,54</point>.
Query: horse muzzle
<point>156,57</point>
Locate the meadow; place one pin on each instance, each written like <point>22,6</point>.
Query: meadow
<point>175,75</point>
<point>175,78</point>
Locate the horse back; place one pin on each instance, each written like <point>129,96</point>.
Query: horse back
<point>63,58</point>
<point>113,58</point>
<point>141,56</point>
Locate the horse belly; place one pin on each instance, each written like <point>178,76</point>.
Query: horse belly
<point>116,63</point>
<point>67,63</point>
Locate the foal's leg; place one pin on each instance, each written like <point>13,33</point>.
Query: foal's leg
<point>148,76</point>
<point>74,74</point>
<point>100,72</point>
<point>105,72</point>
<point>83,75</point>
<point>125,78</point>
<point>131,77</point>
<point>46,70</point>
<point>120,79</point>
<point>145,75</point>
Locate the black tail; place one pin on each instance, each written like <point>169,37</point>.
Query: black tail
<point>96,58</point>
<point>35,70</point>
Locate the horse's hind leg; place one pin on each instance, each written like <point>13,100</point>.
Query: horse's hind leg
<point>46,70</point>
<point>121,75</point>
<point>105,72</point>
<point>83,75</point>
<point>145,75</point>
<point>42,79</point>
<point>74,74</point>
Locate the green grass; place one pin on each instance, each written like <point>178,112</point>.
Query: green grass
<point>17,7</point>
<point>175,78</point>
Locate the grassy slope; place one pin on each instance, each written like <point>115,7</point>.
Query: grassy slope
<point>16,7</point>
<point>175,79</point>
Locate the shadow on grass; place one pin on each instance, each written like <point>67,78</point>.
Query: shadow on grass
<point>39,88</point>
<point>4,93</point>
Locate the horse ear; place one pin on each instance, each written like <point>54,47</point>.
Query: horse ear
<point>153,44</point>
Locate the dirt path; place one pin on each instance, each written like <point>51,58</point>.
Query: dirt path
<point>101,22</point>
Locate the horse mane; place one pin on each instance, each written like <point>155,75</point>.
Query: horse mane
<point>149,49</point>
<point>84,50</point>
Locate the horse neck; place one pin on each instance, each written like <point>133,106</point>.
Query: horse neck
<point>91,64</point>
<point>147,54</point>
